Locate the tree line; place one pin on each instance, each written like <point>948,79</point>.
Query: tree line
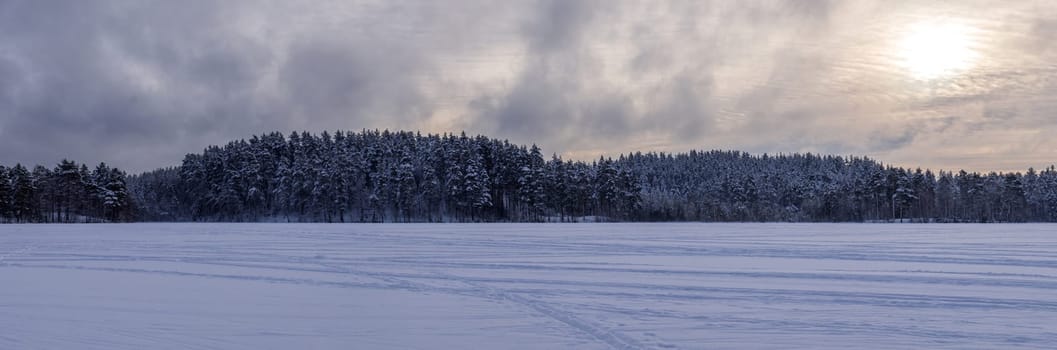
<point>66,194</point>
<point>383,176</point>
<point>735,186</point>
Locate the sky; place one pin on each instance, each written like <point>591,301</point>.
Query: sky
<point>138,84</point>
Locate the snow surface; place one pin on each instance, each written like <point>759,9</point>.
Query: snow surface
<point>528,286</point>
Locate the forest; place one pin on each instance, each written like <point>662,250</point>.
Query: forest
<point>384,176</point>
<point>68,193</point>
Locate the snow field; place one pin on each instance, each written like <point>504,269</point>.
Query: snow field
<point>528,286</point>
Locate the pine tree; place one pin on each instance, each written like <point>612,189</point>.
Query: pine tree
<point>24,199</point>
<point>1012,198</point>
<point>68,187</point>
<point>607,188</point>
<point>115,198</point>
<point>556,186</point>
<point>530,189</point>
<point>904,195</point>
<point>100,177</point>
<point>6,196</point>
<point>475,191</point>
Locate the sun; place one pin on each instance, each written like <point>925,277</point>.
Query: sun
<point>934,50</point>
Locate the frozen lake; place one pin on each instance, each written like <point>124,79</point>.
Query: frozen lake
<point>524,286</point>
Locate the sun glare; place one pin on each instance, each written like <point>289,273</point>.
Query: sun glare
<point>936,50</point>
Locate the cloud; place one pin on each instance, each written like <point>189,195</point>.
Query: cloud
<point>141,83</point>
<point>365,83</point>
<point>558,25</point>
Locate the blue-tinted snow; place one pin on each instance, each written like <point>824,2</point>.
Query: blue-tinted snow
<point>514,286</point>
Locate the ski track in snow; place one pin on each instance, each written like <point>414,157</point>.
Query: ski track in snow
<point>526,286</point>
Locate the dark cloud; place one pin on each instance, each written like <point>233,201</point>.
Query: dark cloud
<point>880,141</point>
<point>558,24</point>
<point>550,104</point>
<point>11,77</point>
<point>98,84</point>
<point>365,83</point>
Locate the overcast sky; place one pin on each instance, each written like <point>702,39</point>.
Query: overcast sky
<point>138,84</point>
